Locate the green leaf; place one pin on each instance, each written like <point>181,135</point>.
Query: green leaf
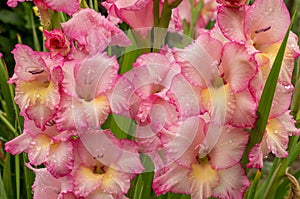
<point>6,92</point>
<point>2,189</point>
<point>252,190</point>
<point>7,176</point>
<point>10,17</point>
<point>29,178</point>
<point>266,99</point>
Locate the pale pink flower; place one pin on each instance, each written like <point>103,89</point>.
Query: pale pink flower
<point>57,42</point>
<point>106,165</point>
<point>141,95</point>
<point>86,87</point>
<point>234,3</point>
<point>222,79</point>
<point>49,147</point>
<point>203,173</point>
<point>37,78</point>
<point>47,187</point>
<point>136,13</point>
<point>93,32</point>
<point>275,140</point>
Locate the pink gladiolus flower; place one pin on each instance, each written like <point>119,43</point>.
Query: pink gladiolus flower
<point>47,187</point>
<point>275,140</point>
<point>93,32</point>
<point>203,173</point>
<point>86,89</point>
<point>234,3</point>
<point>106,166</point>
<point>136,13</point>
<point>47,147</point>
<point>145,99</point>
<point>37,78</point>
<point>222,79</point>
<point>56,42</point>
<point>67,6</point>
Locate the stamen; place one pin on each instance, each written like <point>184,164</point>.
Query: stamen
<point>263,30</point>
<point>35,72</point>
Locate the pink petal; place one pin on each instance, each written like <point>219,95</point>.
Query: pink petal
<point>99,194</point>
<point>85,20</point>
<point>85,181</point>
<point>206,49</point>
<point>95,75</point>
<point>60,160</point>
<point>277,138</point>
<point>111,151</point>
<point>39,149</point>
<point>220,103</point>
<point>229,148</point>
<point>282,99</point>
<point>288,123</point>
<point>266,21</point>
<point>233,183</point>
<point>68,83</point>
<point>172,179</point>
<point>13,3</point>
<point>245,110</point>
<point>29,64</point>
<point>18,144</point>
<point>115,182</point>
<point>45,185</point>
<point>230,21</point>
<point>238,69</point>
<point>185,97</point>
<point>203,180</point>
<point>257,154</point>
<point>67,6</point>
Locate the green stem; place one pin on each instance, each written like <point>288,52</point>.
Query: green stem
<point>96,5</point>
<point>17,168</point>
<point>34,34</point>
<point>8,124</point>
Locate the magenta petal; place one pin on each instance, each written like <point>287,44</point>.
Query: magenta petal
<point>230,21</point>
<point>229,148</point>
<point>238,66</point>
<point>233,183</point>
<point>173,178</point>
<point>60,160</point>
<point>67,6</point>
<point>266,21</point>
<point>13,3</point>
<point>18,144</point>
<point>95,75</point>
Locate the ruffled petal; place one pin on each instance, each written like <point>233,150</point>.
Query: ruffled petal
<point>29,64</point>
<point>203,180</point>
<point>245,110</point>
<point>95,75</point>
<point>60,160</point>
<point>18,144</point>
<point>99,194</point>
<point>206,49</point>
<point>229,148</point>
<point>258,153</point>
<point>185,97</point>
<point>67,6</point>
<point>288,123</point>
<point>45,185</point>
<point>266,21</point>
<point>39,149</point>
<point>104,146</point>
<point>230,21</point>
<point>233,183</point>
<point>238,66</point>
<point>115,182</point>
<point>173,178</point>
<point>13,3</point>
<point>277,138</point>
<point>85,181</point>
<point>85,20</point>
<point>220,103</point>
